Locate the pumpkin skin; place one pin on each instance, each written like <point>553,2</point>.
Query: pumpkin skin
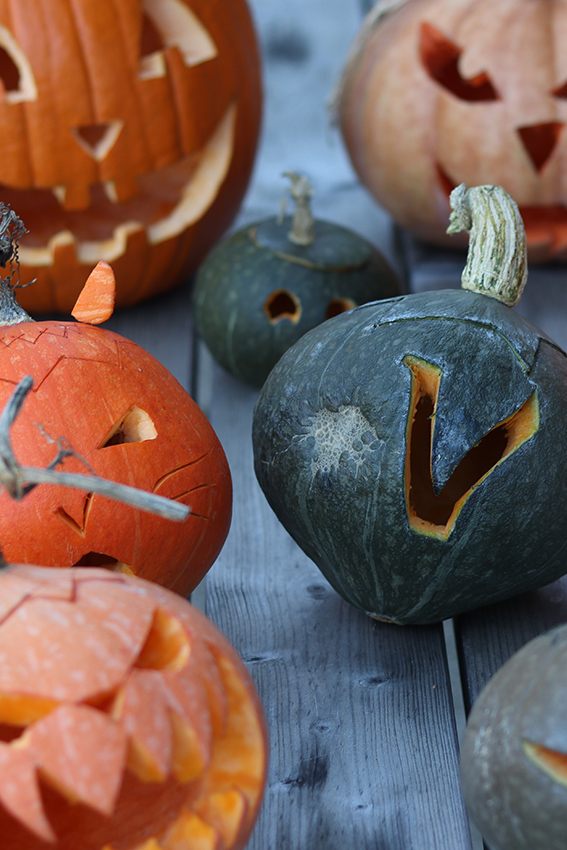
<point>129,722</point>
<point>257,292</point>
<point>132,422</point>
<point>429,100</point>
<point>514,750</point>
<point>344,453</point>
<point>129,134</point>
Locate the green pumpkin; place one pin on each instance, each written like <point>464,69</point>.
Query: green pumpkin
<point>262,288</point>
<point>514,750</point>
<point>415,448</point>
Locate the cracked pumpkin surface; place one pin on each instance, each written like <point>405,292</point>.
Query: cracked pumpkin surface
<point>127,721</point>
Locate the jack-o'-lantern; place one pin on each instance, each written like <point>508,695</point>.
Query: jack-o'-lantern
<point>415,447</point>
<point>514,753</point>
<point>128,135</point>
<point>263,287</point>
<point>442,92</point>
<point>128,420</point>
<point>127,720</point>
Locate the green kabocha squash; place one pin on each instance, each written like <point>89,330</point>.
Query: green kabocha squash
<point>263,287</point>
<point>514,751</point>
<point>416,448</point>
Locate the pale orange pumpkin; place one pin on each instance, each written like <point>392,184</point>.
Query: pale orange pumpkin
<point>132,422</point>
<point>127,720</point>
<point>442,92</point>
<point>129,130</point>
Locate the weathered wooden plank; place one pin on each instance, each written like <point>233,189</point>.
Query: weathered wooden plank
<point>488,637</point>
<point>363,739</point>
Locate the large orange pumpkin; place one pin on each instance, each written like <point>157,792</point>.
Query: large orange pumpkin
<point>127,721</point>
<point>442,92</point>
<point>129,129</point>
<point>131,421</point>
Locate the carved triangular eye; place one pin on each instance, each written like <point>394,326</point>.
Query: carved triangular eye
<point>560,91</point>
<point>440,58</point>
<point>170,23</point>
<point>16,76</point>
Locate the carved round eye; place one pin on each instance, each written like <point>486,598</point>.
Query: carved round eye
<point>16,75</point>
<point>440,58</point>
<point>167,24</point>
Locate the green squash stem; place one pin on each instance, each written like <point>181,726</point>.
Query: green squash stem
<point>302,227</point>
<point>497,263</point>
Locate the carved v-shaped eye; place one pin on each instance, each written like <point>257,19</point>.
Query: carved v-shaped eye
<point>560,91</point>
<point>16,75</point>
<point>440,57</point>
<point>170,23</point>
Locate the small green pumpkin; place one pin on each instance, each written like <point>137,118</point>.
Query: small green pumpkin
<point>514,750</point>
<point>263,287</point>
<point>415,448</point>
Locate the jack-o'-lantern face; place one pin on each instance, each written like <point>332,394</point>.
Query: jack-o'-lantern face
<point>127,721</point>
<point>128,135</point>
<point>460,92</point>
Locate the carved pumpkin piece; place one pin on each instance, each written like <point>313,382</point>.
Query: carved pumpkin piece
<point>127,720</point>
<point>432,100</point>
<point>115,154</point>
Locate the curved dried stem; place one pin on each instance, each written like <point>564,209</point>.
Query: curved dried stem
<point>19,480</point>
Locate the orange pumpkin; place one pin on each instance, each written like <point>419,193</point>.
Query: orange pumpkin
<point>438,93</point>
<point>132,422</point>
<point>127,721</point>
<point>129,131</point>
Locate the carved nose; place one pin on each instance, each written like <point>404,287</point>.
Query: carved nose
<point>98,139</point>
<point>540,140</point>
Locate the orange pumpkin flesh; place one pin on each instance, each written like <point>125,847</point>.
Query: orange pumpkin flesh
<point>128,720</point>
<point>129,134</point>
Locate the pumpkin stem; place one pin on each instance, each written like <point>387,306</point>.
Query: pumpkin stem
<point>19,480</point>
<point>497,263</point>
<point>302,228</point>
<point>10,311</point>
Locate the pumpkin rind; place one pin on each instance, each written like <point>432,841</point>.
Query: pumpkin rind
<point>132,422</point>
<point>87,639</point>
<point>331,430</point>
<point>515,728</point>
<point>237,287</point>
<point>413,132</point>
<point>138,154</point>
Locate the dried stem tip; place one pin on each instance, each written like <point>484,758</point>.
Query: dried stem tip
<point>497,259</point>
<point>302,228</point>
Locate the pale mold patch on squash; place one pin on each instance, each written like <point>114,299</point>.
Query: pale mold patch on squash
<point>433,513</point>
<point>342,435</point>
<point>550,761</point>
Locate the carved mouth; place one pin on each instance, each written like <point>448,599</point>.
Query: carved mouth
<point>545,224</point>
<point>166,202</point>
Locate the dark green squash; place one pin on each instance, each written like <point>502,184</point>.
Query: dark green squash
<point>514,751</point>
<point>262,288</point>
<point>416,448</point>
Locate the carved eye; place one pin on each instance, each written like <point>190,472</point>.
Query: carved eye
<point>560,91</point>
<point>166,24</point>
<point>16,76</point>
<point>440,58</point>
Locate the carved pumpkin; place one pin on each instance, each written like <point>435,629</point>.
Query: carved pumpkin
<point>132,422</point>
<point>127,721</point>
<point>514,751</point>
<point>264,286</point>
<point>128,135</point>
<point>430,99</point>
<point>415,447</point>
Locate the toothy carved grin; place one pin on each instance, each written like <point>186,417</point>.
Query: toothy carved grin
<point>165,202</point>
<point>545,224</point>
